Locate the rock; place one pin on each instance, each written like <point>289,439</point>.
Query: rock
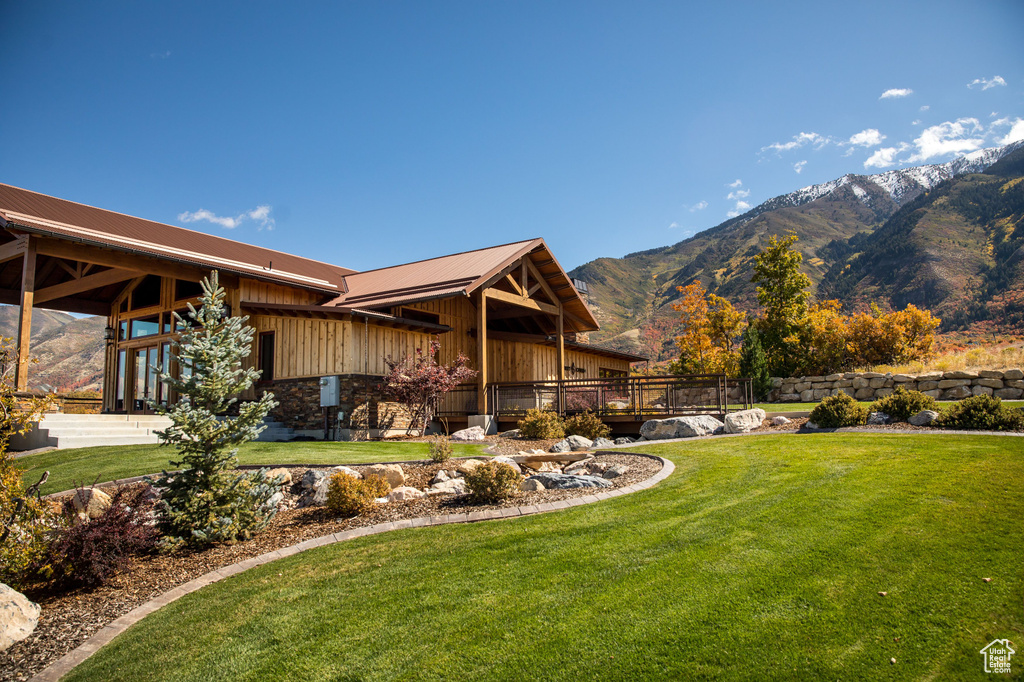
<point>902,378</point>
<point>883,392</point>
<point>790,397</point>
<point>952,383</point>
<point>1009,393</point>
<point>348,471</point>
<point>616,470</point>
<point>927,385</point>
<point>392,473</point>
<point>561,446</point>
<point>405,492</point>
<point>509,461</point>
<point>531,484</point>
<point>680,427</point>
<point>280,472</point>
<point>91,502</point>
<point>878,418</point>
<point>990,374</point>
<point>623,440</point>
<point>1014,374</point>
<point>744,421</point>
<point>981,390</point>
<point>640,439</point>
<point>454,486</point>
<point>877,382</point>
<point>468,465</point>
<point>861,382</point>
<point>534,465</point>
<point>617,405</point>
<point>440,477</point>
<point>961,375</point>
<point>989,382</point>
<point>864,393</point>
<point>579,443</point>
<point>561,481</point>
<point>578,467</point>
<point>936,393</point>
<point>274,501</point>
<point>18,616</point>
<point>812,426</point>
<point>924,418</point>
<point>470,434</point>
<point>514,433</point>
<point>779,420</point>
<point>604,443</point>
<point>317,495</point>
<point>930,376</point>
<point>956,393</point>
<point>541,456</point>
<point>310,478</point>
<point>833,377</point>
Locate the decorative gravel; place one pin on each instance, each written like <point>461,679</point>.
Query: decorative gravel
<point>71,617</point>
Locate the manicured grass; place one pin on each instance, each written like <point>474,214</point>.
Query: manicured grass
<point>759,558</point>
<point>87,465</point>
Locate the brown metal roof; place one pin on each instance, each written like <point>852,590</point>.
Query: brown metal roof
<point>43,214</point>
<point>461,274</point>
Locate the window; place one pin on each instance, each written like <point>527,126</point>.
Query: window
<point>419,315</point>
<point>147,293</point>
<point>145,326</point>
<point>185,290</point>
<point>606,373</point>
<point>266,356</point>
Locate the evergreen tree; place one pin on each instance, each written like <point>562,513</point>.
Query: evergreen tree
<point>783,297</point>
<point>754,364</point>
<point>207,501</point>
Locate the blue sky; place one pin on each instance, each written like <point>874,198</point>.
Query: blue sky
<point>367,134</point>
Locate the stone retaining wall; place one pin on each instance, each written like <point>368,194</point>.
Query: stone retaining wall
<point>1006,384</point>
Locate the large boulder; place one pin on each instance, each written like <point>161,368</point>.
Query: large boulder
<point>878,419</point>
<point>616,470</point>
<point>561,446</point>
<point>744,421</point>
<point>470,434</point>
<point>316,496</point>
<point>535,465</point>
<point>310,478</point>
<point>924,418</point>
<point>531,484</point>
<point>348,471</point>
<point>604,443</point>
<point>562,481</point>
<point>454,486</point>
<point>779,420</point>
<point>623,440</point>
<point>392,473</point>
<point>281,473</point>
<point>579,443</point>
<point>509,461</point>
<point>404,492</point>
<point>91,502</point>
<point>680,427</point>
<point>468,465</point>
<point>18,616</point>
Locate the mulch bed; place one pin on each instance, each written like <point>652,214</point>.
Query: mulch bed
<point>71,617</point>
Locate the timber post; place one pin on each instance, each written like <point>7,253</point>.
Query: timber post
<point>481,354</point>
<point>28,287</point>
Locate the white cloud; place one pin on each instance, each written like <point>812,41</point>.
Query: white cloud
<point>948,138</point>
<point>882,158</point>
<point>673,225</point>
<point>986,83</point>
<point>740,208</point>
<point>798,141</point>
<point>924,108</point>
<point>892,93</point>
<point>699,206</point>
<point>738,194</point>
<point>1016,132</point>
<point>160,55</point>
<point>869,137</point>
<point>260,214</point>
<point>799,166</point>
<point>916,122</point>
<point>735,183</point>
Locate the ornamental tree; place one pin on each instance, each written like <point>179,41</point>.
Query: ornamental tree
<point>783,298</point>
<point>207,502</point>
<point>419,382</point>
<point>709,325</point>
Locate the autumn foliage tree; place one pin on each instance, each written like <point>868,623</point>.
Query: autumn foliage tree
<point>710,326</point>
<point>419,382</point>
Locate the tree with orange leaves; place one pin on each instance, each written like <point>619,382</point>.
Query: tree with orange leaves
<point>710,327</point>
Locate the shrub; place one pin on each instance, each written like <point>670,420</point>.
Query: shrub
<point>838,410</point>
<point>350,496</point>
<point>903,404</point>
<point>440,449</point>
<point>492,482</point>
<point>90,553</point>
<point>982,412</point>
<point>588,425</point>
<point>541,425</point>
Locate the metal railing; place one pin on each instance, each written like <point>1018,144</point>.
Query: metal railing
<point>638,397</point>
<point>459,402</point>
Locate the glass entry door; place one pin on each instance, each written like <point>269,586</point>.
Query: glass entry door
<point>141,377</point>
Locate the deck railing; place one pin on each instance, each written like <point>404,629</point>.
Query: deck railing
<point>637,397</point>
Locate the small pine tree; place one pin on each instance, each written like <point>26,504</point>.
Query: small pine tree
<point>754,364</point>
<point>207,502</point>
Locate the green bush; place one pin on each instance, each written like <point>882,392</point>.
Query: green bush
<point>350,496</point>
<point>838,410</point>
<point>982,412</point>
<point>440,449</point>
<point>541,425</point>
<point>903,404</point>
<point>588,425</point>
<point>492,482</point>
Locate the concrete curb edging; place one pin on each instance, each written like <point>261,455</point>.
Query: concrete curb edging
<point>108,632</point>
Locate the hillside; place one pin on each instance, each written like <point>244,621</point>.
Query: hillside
<point>835,221</point>
<point>69,349</point>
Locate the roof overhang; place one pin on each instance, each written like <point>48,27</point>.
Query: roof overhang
<point>339,313</point>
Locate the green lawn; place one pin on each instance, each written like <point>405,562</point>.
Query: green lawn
<point>86,465</point>
<point>759,558</point>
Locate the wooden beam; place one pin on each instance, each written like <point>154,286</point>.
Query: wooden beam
<point>560,341</point>
<point>74,272</point>
<point>28,286</point>
<point>515,285</point>
<point>87,283</point>
<point>541,281</point>
<point>520,301</point>
<point>116,303</point>
<point>116,259</point>
<point>481,354</point>
<point>15,249</point>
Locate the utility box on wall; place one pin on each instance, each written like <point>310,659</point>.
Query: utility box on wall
<point>330,391</point>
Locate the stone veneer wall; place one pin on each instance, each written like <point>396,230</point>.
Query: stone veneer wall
<point>1007,384</point>
<point>299,400</point>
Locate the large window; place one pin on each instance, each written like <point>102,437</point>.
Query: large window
<point>266,356</point>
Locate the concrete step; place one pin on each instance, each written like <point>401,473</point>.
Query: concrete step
<point>271,435</point>
<point>91,441</point>
<point>73,432</point>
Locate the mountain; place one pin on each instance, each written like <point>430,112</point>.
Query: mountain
<point>69,349</point>
<point>835,221</point>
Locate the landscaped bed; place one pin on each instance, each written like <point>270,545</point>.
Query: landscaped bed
<point>759,558</point>
<point>69,618</point>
